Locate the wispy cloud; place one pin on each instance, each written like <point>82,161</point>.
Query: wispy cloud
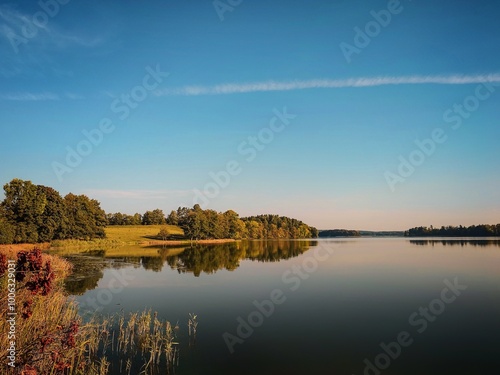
<point>26,96</point>
<point>138,194</point>
<point>41,96</point>
<point>73,96</point>
<point>35,53</point>
<point>239,88</point>
<point>15,21</point>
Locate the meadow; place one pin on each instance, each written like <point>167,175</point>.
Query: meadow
<point>137,235</point>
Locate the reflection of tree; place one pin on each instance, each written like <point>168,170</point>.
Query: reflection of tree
<point>87,271</point>
<point>78,286</point>
<point>482,243</point>
<point>207,259</point>
<point>153,263</point>
<point>274,251</point>
<point>211,258</point>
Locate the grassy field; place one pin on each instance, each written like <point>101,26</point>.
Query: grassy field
<point>137,234</point>
<point>121,235</point>
<point>124,235</point>
<point>147,235</point>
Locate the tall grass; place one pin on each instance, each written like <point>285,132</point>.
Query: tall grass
<point>48,335</point>
<point>52,339</point>
<point>138,341</point>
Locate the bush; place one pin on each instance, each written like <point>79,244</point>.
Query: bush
<point>164,233</point>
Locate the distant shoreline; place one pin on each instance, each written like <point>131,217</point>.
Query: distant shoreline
<point>107,243</point>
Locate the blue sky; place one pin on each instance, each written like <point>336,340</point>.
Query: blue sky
<point>351,119</point>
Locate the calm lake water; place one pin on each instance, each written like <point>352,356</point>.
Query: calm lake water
<point>337,303</point>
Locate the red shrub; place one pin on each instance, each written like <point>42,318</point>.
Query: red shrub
<point>3,264</point>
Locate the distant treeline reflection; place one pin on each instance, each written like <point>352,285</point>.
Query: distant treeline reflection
<point>457,242</point>
<point>197,259</point>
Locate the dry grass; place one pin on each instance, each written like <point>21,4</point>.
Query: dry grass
<point>139,234</point>
<point>86,245</point>
<point>51,338</point>
<point>119,236</point>
<point>45,324</point>
<point>14,248</point>
<point>122,235</point>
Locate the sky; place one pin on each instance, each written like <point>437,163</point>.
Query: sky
<point>374,115</point>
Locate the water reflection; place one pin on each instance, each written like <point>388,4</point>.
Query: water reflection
<point>457,242</point>
<point>197,259</point>
<point>88,269</point>
<point>211,258</point>
<point>360,297</point>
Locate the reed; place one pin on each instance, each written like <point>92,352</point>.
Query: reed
<point>52,339</point>
<point>192,326</point>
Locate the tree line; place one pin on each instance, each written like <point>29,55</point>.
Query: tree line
<point>209,224</point>
<point>36,213</point>
<point>154,217</point>
<point>482,230</point>
<point>339,233</point>
<point>199,224</point>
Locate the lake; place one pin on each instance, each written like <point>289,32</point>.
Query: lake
<point>340,306</point>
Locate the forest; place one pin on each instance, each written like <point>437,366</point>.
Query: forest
<point>338,233</point>
<point>35,213</point>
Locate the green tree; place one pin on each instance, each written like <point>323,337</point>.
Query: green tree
<point>137,219</point>
<point>86,219</point>
<point>7,231</point>
<point>255,229</point>
<point>23,207</point>
<point>195,225</point>
<point>240,230</point>
<point>52,223</point>
<point>155,217</point>
<point>233,228</point>
<point>116,218</point>
<point>172,218</point>
<point>303,231</point>
<point>212,225</point>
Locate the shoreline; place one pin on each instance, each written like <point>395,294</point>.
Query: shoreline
<point>108,243</point>
<point>25,246</point>
<point>188,242</point>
